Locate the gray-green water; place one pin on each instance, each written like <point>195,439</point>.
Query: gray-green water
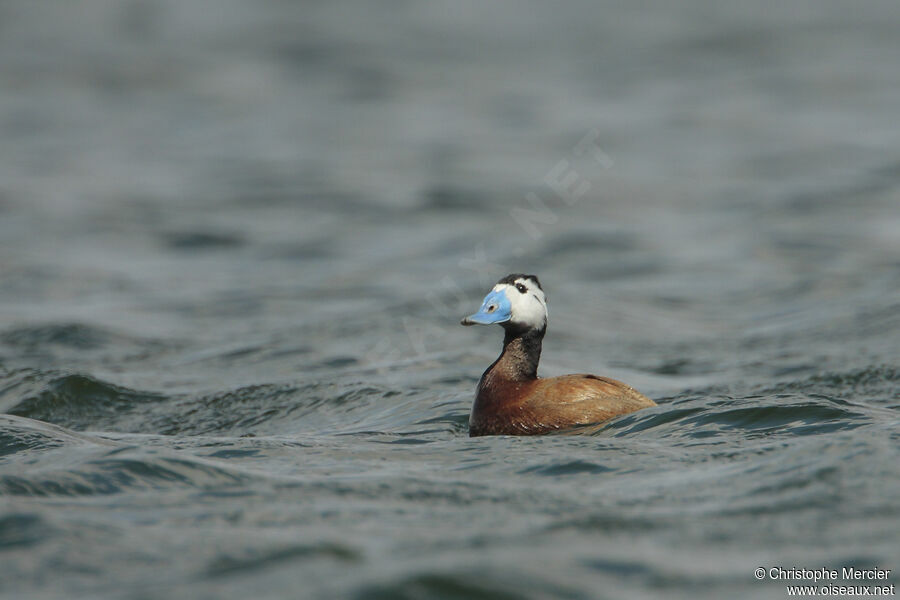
<point>236,241</point>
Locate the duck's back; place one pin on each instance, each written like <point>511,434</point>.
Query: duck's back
<point>554,403</point>
<point>585,398</point>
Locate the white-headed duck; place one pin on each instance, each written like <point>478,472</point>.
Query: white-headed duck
<point>511,398</point>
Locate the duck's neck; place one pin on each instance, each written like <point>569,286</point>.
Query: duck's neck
<point>520,357</point>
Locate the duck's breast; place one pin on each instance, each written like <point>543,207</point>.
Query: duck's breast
<point>544,405</point>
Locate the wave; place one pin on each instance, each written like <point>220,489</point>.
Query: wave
<point>73,341</point>
<point>472,584</point>
<point>819,403</point>
<point>18,434</point>
<point>815,404</point>
<point>235,562</point>
<point>74,335</point>
<point>65,463</point>
<point>73,400</point>
<point>86,403</point>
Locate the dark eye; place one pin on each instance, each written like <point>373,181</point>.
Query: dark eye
<point>521,288</point>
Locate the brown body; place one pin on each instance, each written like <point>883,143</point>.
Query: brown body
<point>545,405</point>
<point>512,400</point>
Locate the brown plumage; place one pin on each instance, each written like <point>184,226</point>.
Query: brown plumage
<point>513,400</point>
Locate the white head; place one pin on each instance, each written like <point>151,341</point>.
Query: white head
<point>517,299</point>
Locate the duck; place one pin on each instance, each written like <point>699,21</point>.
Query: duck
<point>511,399</point>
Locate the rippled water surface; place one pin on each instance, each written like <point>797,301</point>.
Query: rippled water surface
<point>236,241</point>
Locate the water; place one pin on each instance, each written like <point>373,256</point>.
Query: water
<point>236,241</point>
